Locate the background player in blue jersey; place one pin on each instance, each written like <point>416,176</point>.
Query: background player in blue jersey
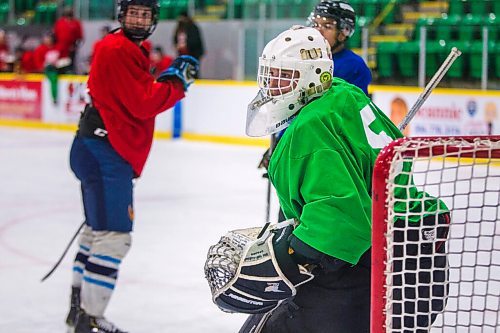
<point>336,21</point>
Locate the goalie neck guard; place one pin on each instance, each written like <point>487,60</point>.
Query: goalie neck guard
<point>138,34</point>
<point>294,68</point>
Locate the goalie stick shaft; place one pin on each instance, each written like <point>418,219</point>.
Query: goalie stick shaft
<point>445,66</point>
<point>268,193</point>
<point>64,253</point>
<point>255,323</point>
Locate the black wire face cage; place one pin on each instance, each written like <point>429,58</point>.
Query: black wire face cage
<point>138,33</point>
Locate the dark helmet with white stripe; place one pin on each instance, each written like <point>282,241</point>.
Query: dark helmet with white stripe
<point>339,11</point>
<point>135,33</point>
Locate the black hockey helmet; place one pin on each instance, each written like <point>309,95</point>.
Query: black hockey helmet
<point>340,11</point>
<point>138,34</point>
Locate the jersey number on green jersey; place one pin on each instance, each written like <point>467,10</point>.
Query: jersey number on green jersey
<point>375,140</point>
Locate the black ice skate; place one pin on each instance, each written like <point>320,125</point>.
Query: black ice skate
<point>74,307</point>
<point>90,324</point>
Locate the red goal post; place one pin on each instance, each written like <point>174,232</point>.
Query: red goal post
<point>464,172</point>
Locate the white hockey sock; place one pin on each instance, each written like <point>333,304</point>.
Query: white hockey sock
<point>101,271</point>
<point>84,245</point>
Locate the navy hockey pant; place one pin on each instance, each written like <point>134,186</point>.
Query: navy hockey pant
<point>106,182</point>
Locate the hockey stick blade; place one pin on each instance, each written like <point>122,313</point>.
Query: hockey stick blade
<point>64,253</point>
<point>445,66</point>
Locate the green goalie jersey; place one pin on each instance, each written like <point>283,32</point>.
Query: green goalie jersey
<point>322,171</point>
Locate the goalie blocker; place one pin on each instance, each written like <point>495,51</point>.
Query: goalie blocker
<point>252,274</point>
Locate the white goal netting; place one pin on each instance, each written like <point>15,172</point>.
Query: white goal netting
<point>437,272</point>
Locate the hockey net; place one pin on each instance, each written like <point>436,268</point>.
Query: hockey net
<point>412,290</point>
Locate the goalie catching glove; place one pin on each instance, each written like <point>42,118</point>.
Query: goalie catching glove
<point>252,274</point>
<point>184,67</point>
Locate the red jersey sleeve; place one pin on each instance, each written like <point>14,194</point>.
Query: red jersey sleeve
<point>132,84</point>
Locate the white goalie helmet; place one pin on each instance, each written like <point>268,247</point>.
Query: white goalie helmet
<point>294,68</point>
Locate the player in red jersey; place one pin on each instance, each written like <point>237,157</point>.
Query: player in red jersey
<point>68,33</point>
<point>110,149</point>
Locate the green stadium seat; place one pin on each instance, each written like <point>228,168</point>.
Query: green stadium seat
<point>429,24</point>
<point>251,9</point>
<point>433,51</point>
<point>357,6</point>
<point>479,7</point>
<point>391,15</point>
<point>446,27</point>
<point>19,6</point>
<point>497,60</point>
<point>238,8</point>
<point>170,9</point>
<point>371,9</point>
<point>102,10</point>
<point>456,7</point>
<point>40,14</point>
<point>355,40</point>
<point>492,22</point>
<point>408,59</point>
<point>496,7</point>
<point>51,14</point>
<point>300,9</point>
<point>288,8</point>
<point>179,6</point>
<point>164,10</point>
<point>386,54</point>
<point>476,58</point>
<point>283,8</point>
<point>469,27</point>
<point>4,13</point>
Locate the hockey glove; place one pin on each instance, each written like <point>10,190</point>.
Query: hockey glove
<point>185,68</point>
<point>426,237</point>
<point>250,274</point>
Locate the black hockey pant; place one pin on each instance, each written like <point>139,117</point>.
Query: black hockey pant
<point>337,302</point>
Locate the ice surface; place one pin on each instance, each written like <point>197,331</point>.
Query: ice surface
<point>189,195</point>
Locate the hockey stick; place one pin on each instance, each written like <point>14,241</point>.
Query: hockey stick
<point>268,197</point>
<point>64,253</point>
<point>255,323</point>
<point>445,66</point>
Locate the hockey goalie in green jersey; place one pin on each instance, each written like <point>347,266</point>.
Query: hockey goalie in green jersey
<point>322,172</point>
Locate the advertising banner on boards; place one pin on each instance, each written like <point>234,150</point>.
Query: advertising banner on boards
<point>443,113</point>
<point>21,99</point>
